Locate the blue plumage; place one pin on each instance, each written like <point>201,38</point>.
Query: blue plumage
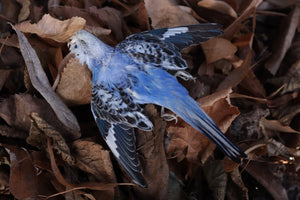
<point>139,71</point>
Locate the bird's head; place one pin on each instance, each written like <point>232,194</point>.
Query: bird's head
<point>86,47</point>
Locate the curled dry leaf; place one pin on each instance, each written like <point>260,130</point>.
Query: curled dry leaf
<point>220,6</point>
<point>74,86</point>
<point>218,48</point>
<point>40,130</point>
<point>49,27</point>
<point>187,142</point>
<point>163,14</point>
<point>40,82</point>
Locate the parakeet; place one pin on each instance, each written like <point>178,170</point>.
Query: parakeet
<point>144,69</point>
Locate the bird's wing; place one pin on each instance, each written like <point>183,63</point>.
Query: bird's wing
<point>185,36</point>
<point>161,47</point>
<point>146,48</point>
<point>116,115</point>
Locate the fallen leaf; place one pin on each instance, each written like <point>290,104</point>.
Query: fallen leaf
<point>51,28</point>
<point>4,75</point>
<point>163,14</point>
<point>220,6</point>
<point>40,130</point>
<point>93,159</point>
<point>275,125</point>
<point>40,82</point>
<point>278,149</point>
<point>12,132</point>
<point>216,178</point>
<point>236,188</point>
<point>25,11</point>
<point>218,48</point>
<point>262,173</point>
<point>70,89</point>
<point>155,168</point>
<point>283,41</point>
<point>26,181</point>
<point>111,18</point>
<point>237,75</point>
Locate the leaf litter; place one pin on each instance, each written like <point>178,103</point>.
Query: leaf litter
<point>247,81</point>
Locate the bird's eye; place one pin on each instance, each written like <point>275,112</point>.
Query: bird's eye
<point>75,46</point>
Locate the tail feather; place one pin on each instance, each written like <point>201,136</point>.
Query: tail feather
<point>190,112</point>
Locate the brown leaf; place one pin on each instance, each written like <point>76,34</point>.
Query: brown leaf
<point>25,11</point>
<point>237,75</point>
<point>26,181</point>
<point>163,14</point>
<point>110,17</point>
<point>218,48</point>
<point>88,185</point>
<point>276,126</point>
<point>12,132</point>
<point>49,27</point>
<point>234,27</point>
<point>219,6</point>
<point>154,161</point>
<point>40,130</point>
<point>72,91</point>
<point>216,178</point>
<point>283,40</point>
<point>40,82</point>
<point>4,75</point>
<point>262,173</point>
<point>236,188</point>
<point>93,159</point>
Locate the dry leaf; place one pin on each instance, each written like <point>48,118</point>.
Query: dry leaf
<point>74,86</point>
<point>218,48</point>
<point>12,132</point>
<point>216,178</point>
<point>156,170</point>
<point>40,130</point>
<point>93,159</point>
<point>283,41</point>
<point>40,82</point>
<point>25,10</point>
<point>163,14</point>
<point>261,172</point>
<point>49,27</point>
<point>219,6</point>
<point>275,125</point>
<point>26,181</point>
<point>237,75</point>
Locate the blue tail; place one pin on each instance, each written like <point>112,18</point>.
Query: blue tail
<point>189,110</point>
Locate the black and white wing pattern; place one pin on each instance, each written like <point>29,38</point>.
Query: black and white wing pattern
<point>161,47</point>
<point>116,116</point>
